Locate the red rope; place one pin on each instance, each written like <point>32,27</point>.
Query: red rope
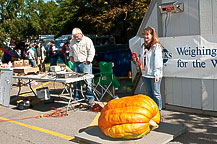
<point>56,114</point>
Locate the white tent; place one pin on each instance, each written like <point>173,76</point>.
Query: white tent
<point>191,21</point>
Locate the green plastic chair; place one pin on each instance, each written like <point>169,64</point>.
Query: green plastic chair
<point>105,81</point>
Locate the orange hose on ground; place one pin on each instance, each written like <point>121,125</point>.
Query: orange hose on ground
<point>134,54</point>
<point>56,114</point>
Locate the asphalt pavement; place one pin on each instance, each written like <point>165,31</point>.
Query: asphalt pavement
<point>30,126</point>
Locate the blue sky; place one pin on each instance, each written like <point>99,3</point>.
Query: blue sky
<point>47,0</point>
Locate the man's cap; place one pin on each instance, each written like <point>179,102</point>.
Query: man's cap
<point>37,42</point>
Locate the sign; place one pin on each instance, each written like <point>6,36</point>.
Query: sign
<point>190,56</point>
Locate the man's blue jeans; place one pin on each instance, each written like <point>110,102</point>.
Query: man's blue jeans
<point>83,68</point>
<point>153,90</point>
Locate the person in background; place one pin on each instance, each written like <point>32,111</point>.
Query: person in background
<point>151,58</point>
<point>53,52</point>
<point>66,49</point>
<point>81,54</point>
<point>31,56</point>
<point>37,52</point>
<point>40,54</point>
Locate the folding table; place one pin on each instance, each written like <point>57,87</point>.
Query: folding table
<point>67,81</point>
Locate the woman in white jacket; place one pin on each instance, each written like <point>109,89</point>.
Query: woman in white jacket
<point>151,58</point>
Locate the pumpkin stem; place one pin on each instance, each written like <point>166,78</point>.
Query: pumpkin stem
<point>153,124</point>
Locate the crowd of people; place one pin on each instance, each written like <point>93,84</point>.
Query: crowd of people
<point>79,50</point>
<point>36,54</point>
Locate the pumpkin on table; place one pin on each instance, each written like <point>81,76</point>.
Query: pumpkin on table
<point>129,117</point>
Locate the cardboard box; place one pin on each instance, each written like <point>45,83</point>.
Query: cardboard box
<point>21,62</point>
<point>26,63</point>
<point>17,64</point>
<point>26,70</point>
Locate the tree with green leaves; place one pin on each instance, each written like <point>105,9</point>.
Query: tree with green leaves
<point>24,18</point>
<point>11,23</point>
<point>20,19</point>
<point>48,14</point>
<point>103,17</point>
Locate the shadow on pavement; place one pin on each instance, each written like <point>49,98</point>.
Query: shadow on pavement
<point>201,129</point>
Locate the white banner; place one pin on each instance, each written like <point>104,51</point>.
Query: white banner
<point>190,56</point>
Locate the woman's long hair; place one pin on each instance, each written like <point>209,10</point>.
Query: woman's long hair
<point>155,40</point>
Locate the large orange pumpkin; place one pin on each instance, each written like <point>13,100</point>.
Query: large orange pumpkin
<point>129,117</point>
